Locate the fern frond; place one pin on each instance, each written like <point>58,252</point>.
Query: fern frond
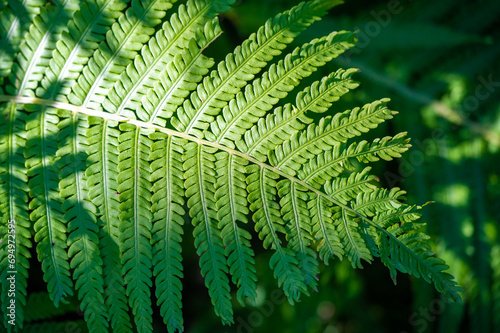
<point>136,221</point>
<point>248,106</point>
<point>262,196</point>
<point>243,64</point>
<point>288,120</point>
<point>168,219</point>
<point>231,196</point>
<point>80,214</point>
<point>130,127</point>
<point>122,43</point>
<point>199,167</point>
<point>13,208</point>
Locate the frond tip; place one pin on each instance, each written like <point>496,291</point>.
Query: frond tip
<point>153,139</point>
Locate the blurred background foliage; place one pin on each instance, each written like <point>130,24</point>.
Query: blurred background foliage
<point>439,63</point>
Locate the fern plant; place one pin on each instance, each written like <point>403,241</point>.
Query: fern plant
<point>116,131</point>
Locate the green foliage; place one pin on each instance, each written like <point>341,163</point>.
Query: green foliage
<point>119,131</point>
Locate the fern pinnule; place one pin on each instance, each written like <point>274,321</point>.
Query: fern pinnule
<point>285,121</point>
<point>14,208</point>
<point>275,84</point>
<point>80,215</point>
<point>123,41</point>
<point>298,226</point>
<point>134,187</point>
<point>168,220</point>
<point>231,196</point>
<point>325,233</point>
<point>199,175</point>
<point>346,188</point>
<point>328,165</point>
<point>243,64</point>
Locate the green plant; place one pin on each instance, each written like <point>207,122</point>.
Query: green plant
<point>117,131</point>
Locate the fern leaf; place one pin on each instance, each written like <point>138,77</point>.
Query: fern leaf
<point>243,64</point>
<point>123,41</point>
<point>299,234</point>
<point>410,253</point>
<point>354,245</point>
<point>45,203</point>
<point>231,196</point>
<point>328,133</point>
<point>13,208</point>
<point>168,219</point>
<point>130,127</point>
<point>38,45</point>
<point>103,191</point>
<point>200,187</point>
<point>176,81</point>
<point>330,164</point>
<point>86,29</point>
<point>136,221</point>
<point>142,73</point>
<point>345,189</point>
<point>288,120</point>
<point>79,212</point>
<point>369,203</point>
<point>15,19</point>
<point>248,106</point>
<point>268,222</point>
<point>324,231</point>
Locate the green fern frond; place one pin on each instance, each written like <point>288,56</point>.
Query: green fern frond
<point>130,127</point>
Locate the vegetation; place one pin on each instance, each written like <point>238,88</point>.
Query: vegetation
<point>133,130</point>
